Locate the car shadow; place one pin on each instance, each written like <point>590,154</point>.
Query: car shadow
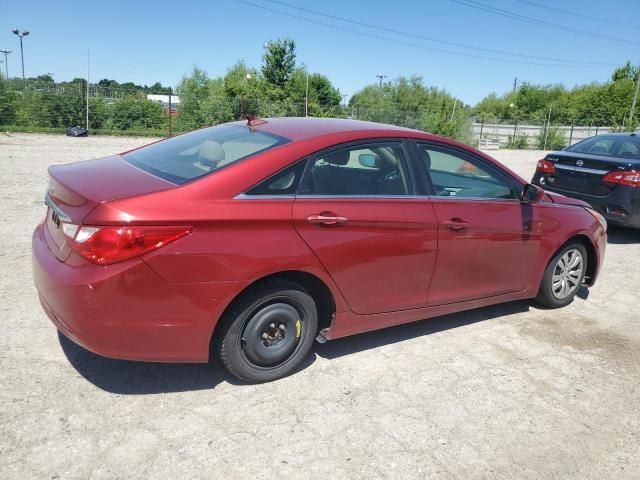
<point>622,236</point>
<point>125,377</point>
<point>143,378</point>
<point>140,378</point>
<point>366,341</point>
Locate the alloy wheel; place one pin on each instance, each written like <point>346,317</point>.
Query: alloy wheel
<point>567,274</point>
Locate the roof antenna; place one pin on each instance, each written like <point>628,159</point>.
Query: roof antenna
<point>252,120</point>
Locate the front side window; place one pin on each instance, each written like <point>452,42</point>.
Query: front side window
<point>196,154</point>
<point>376,169</point>
<point>453,174</point>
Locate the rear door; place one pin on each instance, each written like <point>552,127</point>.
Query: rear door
<point>357,211</point>
<point>488,240</point>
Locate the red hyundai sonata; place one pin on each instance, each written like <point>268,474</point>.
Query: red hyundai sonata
<point>251,239</point>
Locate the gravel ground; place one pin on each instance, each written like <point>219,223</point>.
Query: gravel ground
<point>503,392</point>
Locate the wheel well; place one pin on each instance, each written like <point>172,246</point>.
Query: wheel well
<point>592,259</point>
<point>313,285</point>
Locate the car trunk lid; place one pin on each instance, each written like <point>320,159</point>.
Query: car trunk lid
<point>76,188</point>
<point>583,172</point>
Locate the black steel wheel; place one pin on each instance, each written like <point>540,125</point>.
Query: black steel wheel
<point>267,332</point>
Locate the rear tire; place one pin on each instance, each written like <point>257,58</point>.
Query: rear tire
<point>563,276</point>
<point>267,332</point>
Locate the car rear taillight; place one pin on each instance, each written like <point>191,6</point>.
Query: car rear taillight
<point>545,166</point>
<point>110,244</point>
<point>630,179</point>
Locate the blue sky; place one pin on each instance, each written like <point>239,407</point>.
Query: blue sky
<point>144,42</point>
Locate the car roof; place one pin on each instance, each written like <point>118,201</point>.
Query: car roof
<point>618,134</point>
<point>300,128</point>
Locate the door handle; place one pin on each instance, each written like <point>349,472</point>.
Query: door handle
<point>326,219</point>
<point>456,224</point>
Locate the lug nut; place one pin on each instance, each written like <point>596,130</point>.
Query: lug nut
<point>281,326</point>
<point>265,336</point>
<point>272,325</point>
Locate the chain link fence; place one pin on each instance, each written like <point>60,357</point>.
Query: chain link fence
<point>34,106</point>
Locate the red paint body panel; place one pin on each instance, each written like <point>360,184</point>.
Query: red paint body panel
<point>393,261</point>
<point>382,258</point>
<point>126,310</point>
<point>493,256</point>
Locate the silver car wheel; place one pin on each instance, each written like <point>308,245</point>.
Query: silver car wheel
<point>567,274</point>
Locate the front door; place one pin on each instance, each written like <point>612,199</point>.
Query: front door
<point>488,240</point>
<point>357,211</point>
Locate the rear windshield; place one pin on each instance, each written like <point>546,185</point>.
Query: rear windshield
<point>612,146</point>
<point>193,155</point>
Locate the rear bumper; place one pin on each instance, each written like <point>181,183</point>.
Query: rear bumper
<point>126,310</point>
<point>621,207</point>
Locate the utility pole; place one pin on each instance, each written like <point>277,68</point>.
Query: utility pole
<point>306,97</point>
<point>21,35</point>
<point>6,63</point>
<point>546,133</point>
<point>170,93</point>
<point>515,84</point>
<point>88,64</point>
<point>635,98</point>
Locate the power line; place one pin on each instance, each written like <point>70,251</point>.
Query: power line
<point>575,14</point>
<point>543,23</point>
<point>424,47</point>
<point>436,40</point>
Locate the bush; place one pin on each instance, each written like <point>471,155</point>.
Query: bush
<point>7,104</point>
<point>458,128</point>
<point>132,113</point>
<point>553,138</point>
<point>520,142</point>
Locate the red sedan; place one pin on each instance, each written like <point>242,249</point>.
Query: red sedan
<point>251,239</point>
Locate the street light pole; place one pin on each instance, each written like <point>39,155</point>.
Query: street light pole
<point>6,63</point>
<point>21,35</point>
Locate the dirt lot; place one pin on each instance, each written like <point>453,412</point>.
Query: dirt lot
<point>502,392</point>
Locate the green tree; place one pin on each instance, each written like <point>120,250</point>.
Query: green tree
<point>132,113</point>
<point>408,102</point>
<point>626,72</point>
<point>193,90</point>
<point>7,104</point>
<point>279,60</point>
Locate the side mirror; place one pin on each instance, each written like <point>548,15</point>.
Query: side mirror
<point>368,160</point>
<point>532,194</point>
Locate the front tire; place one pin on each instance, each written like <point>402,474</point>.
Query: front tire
<point>563,276</point>
<point>267,332</point>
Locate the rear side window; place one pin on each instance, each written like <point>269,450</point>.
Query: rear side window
<point>196,154</point>
<point>620,146</point>
<point>285,182</point>
<point>364,169</point>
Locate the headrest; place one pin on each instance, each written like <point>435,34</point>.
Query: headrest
<point>212,151</point>
<point>341,157</point>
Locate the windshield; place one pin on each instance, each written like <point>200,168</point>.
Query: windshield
<point>611,146</point>
<point>193,155</point>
